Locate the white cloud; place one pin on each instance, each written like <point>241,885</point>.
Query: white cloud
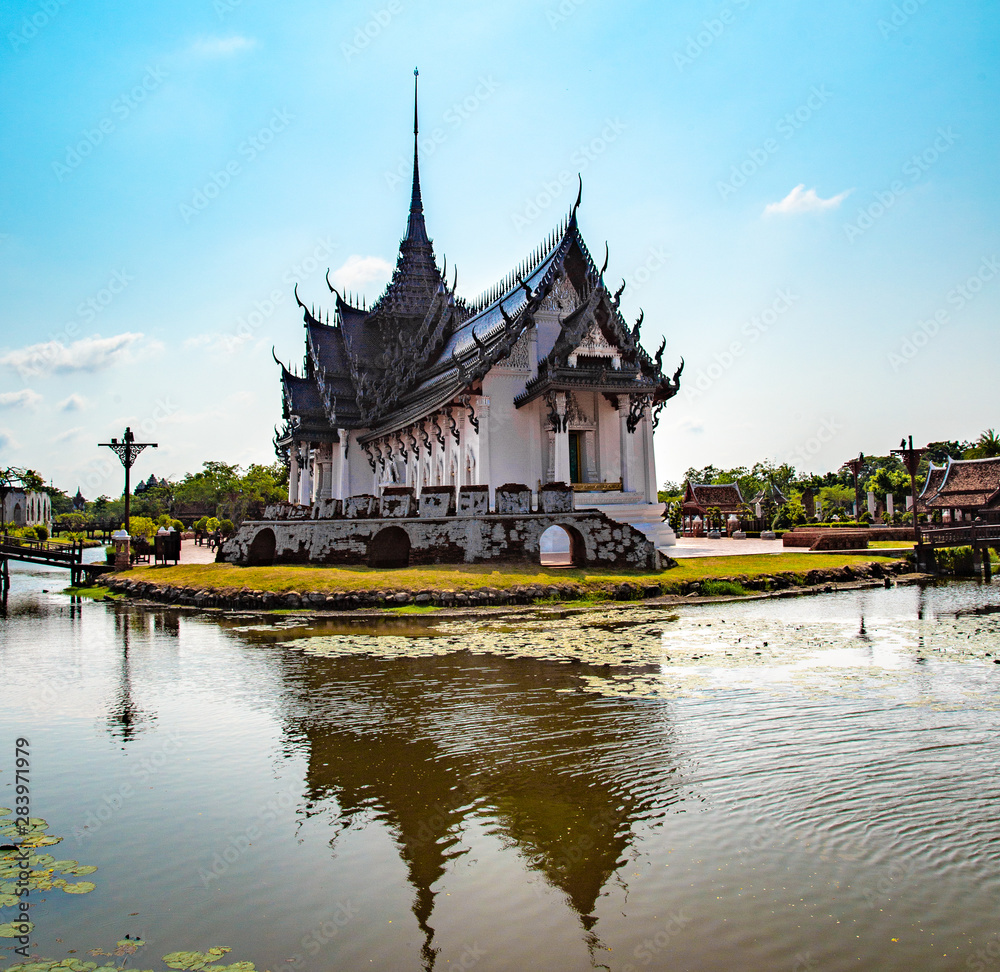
<point>7,440</point>
<point>689,425</point>
<point>26,398</point>
<point>74,403</point>
<point>358,271</point>
<point>802,200</point>
<point>222,46</point>
<point>88,354</point>
<point>215,343</point>
<point>70,434</point>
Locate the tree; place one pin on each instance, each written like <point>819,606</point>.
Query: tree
<point>31,481</point>
<point>791,514</point>
<point>231,493</point>
<point>884,481</point>
<point>987,446</point>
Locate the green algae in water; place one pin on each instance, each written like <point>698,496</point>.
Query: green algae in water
<point>207,961</point>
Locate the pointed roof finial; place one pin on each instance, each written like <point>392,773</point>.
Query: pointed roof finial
<point>416,232</point>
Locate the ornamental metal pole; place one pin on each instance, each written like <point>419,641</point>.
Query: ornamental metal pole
<point>127,451</point>
<point>911,459</point>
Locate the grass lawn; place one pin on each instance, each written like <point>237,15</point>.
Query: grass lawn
<point>465,577</point>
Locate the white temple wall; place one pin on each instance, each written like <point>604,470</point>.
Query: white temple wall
<point>514,439</point>
<point>609,446</point>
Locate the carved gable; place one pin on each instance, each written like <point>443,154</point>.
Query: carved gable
<point>562,298</point>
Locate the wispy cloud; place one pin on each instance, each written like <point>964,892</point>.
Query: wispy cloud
<point>88,354</point>
<point>70,434</point>
<point>222,46</point>
<point>7,440</point>
<point>74,403</point>
<point>802,200</point>
<point>360,270</point>
<point>215,343</point>
<point>26,398</point>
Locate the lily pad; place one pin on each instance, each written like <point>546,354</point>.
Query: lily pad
<point>195,961</point>
<point>79,869</point>
<point>15,929</point>
<point>81,887</point>
<point>5,811</point>
<point>44,841</point>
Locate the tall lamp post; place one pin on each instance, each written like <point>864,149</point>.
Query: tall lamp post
<point>855,466</point>
<point>911,459</point>
<point>127,450</point>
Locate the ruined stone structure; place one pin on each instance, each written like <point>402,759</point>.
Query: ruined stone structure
<point>399,529</point>
<point>538,380</point>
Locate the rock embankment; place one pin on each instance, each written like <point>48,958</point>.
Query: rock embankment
<point>233,599</point>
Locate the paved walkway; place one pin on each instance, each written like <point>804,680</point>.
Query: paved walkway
<point>191,553</point>
<point>703,547</point>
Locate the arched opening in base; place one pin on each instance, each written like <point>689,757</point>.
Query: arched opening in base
<point>261,553</point>
<point>561,546</point>
<point>389,548</point>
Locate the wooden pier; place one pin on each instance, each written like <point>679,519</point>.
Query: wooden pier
<point>979,536</point>
<point>47,553</point>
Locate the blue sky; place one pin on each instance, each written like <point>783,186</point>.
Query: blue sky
<point>801,197</point>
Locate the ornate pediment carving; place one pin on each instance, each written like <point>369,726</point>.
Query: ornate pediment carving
<point>595,343</point>
<point>562,299</point>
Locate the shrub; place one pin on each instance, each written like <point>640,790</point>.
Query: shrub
<point>955,560</point>
<point>141,528</point>
<point>792,514</point>
<point>720,588</point>
<point>177,525</point>
<point>41,532</point>
<point>227,528</point>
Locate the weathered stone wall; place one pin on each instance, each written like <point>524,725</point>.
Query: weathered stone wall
<point>596,540</point>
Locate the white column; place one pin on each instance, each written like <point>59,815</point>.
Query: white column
<point>305,478</point>
<point>890,504</point>
<point>650,467</point>
<point>485,469</point>
<point>345,469</point>
<point>871,502</point>
<point>625,445</point>
<point>293,473</point>
<point>561,466</point>
<point>333,491</point>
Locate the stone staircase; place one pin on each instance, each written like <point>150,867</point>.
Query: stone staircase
<point>645,517</point>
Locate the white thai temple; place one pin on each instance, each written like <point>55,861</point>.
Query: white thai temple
<point>538,380</point>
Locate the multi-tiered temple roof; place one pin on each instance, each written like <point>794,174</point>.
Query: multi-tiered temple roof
<point>420,346</point>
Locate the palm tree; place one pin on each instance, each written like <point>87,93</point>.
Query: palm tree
<point>987,446</point>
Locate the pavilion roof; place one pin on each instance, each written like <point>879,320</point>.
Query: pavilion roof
<point>726,496</point>
<point>961,484</point>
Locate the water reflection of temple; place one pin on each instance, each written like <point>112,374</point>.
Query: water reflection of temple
<point>428,744</point>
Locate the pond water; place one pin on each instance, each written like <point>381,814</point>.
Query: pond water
<point>789,784</point>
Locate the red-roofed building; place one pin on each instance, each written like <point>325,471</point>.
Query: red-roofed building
<point>961,489</point>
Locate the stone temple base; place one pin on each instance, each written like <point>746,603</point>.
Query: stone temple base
<point>595,540</point>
